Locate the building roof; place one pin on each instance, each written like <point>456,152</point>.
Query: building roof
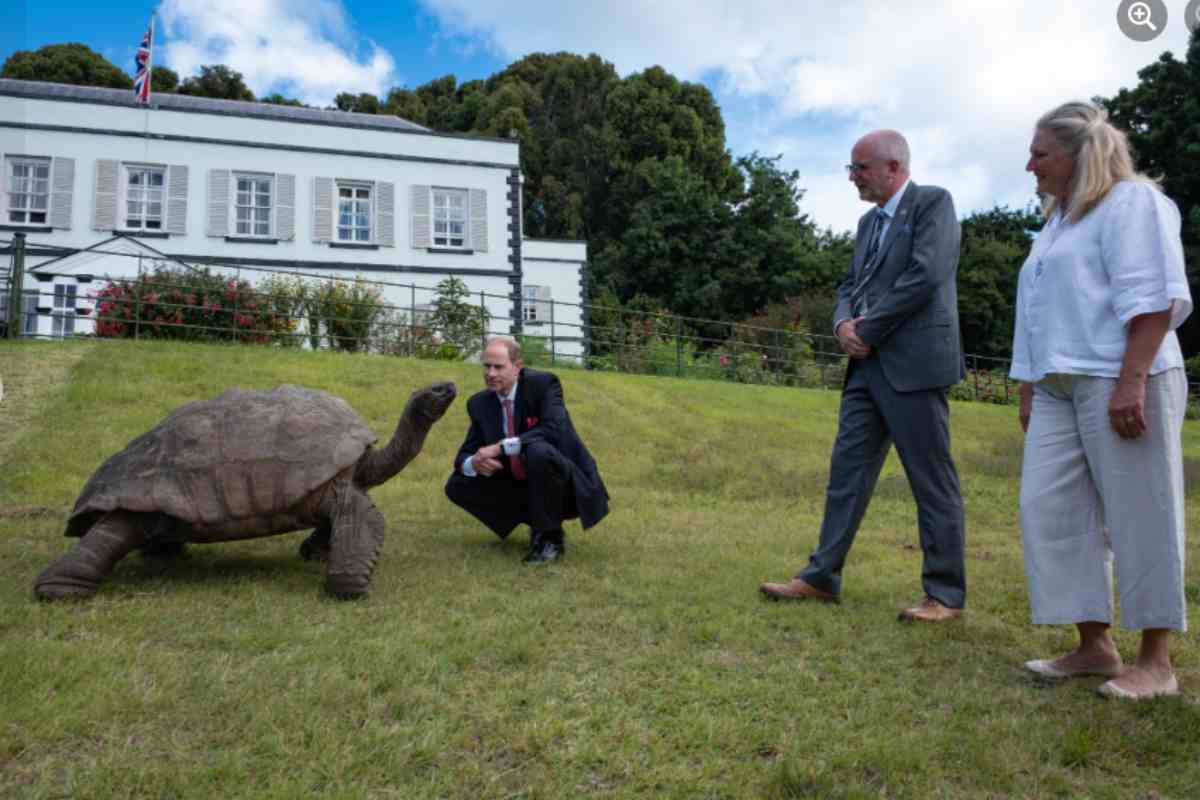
<point>42,90</point>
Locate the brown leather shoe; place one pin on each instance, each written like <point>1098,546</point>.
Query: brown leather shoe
<point>796,589</point>
<point>930,610</point>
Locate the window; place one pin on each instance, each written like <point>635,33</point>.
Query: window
<point>28,191</point>
<point>253,205</point>
<point>354,213</point>
<point>144,198</point>
<point>449,218</point>
<point>64,309</point>
<point>29,326</point>
<point>535,308</point>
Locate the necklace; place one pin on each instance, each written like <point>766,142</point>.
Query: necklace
<point>1054,235</point>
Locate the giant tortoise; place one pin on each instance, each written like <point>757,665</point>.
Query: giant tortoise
<point>243,465</point>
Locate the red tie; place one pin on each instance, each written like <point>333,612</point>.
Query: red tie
<point>514,462</point>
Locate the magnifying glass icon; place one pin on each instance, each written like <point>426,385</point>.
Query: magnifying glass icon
<point>1140,14</point>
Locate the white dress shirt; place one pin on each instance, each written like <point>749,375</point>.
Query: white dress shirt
<point>1083,282</point>
<point>512,444</point>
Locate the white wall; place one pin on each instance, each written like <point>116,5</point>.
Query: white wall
<point>558,265</point>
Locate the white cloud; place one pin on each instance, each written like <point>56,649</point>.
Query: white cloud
<point>303,48</point>
<point>964,81</point>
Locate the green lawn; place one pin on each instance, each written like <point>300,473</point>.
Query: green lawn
<point>644,665</point>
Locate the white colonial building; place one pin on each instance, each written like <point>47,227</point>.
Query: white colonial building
<point>100,185</point>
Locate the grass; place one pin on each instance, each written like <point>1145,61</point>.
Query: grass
<point>644,665</point>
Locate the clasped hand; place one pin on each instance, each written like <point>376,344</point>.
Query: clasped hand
<point>847,336</point>
<point>487,459</point>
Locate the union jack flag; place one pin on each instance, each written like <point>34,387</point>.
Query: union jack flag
<point>141,81</point>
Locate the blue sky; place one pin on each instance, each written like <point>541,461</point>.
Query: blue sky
<point>963,79</point>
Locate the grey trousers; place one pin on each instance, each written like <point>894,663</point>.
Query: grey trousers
<point>872,416</point>
<point>1088,495</point>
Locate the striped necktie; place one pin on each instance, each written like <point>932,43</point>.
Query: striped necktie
<point>876,239</point>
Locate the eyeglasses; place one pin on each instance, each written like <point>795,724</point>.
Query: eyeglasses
<point>856,167</point>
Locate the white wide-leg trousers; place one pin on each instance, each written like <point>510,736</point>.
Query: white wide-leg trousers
<point>1089,497</point>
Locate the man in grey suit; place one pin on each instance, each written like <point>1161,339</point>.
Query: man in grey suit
<point>897,319</point>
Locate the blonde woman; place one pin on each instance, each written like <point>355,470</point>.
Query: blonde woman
<point>1103,394</point>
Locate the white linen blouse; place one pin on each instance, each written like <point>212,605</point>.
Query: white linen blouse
<point>1083,282</point>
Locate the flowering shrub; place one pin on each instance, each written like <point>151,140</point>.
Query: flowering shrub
<point>345,315</point>
<point>175,303</point>
<point>986,386</point>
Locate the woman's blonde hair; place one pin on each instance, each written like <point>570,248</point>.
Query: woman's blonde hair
<point>1099,152</point>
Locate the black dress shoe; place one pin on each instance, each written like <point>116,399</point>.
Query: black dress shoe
<point>545,547</point>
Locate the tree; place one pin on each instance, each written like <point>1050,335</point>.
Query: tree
<point>995,244</point>
<point>163,79</point>
<point>1161,115</point>
<point>276,99</point>
<point>218,81</point>
<point>364,103</point>
<point>461,324</point>
<point>66,63</point>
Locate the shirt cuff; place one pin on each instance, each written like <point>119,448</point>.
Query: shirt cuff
<point>468,467</point>
<point>512,446</point>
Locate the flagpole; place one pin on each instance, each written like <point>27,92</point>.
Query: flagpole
<point>149,90</point>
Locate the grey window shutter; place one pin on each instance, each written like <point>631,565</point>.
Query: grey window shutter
<point>104,210</point>
<point>285,207</point>
<point>177,197</point>
<point>385,214</point>
<point>479,231</point>
<point>543,304</point>
<point>218,202</point>
<point>62,192</point>
<point>322,209</point>
<point>420,217</point>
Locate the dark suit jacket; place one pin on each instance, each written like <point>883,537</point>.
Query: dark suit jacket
<point>541,416</point>
<point>912,298</point>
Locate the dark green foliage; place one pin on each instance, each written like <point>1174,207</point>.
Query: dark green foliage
<point>995,244</point>
<point>1162,118</point>
<point>276,99</point>
<point>66,63</point>
<point>218,81</point>
<point>364,103</point>
<point>163,79</point>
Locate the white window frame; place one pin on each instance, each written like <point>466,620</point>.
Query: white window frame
<point>31,191</point>
<point>235,203</point>
<point>338,228</point>
<point>443,213</point>
<point>127,170</point>
<point>529,305</point>
<point>66,295</point>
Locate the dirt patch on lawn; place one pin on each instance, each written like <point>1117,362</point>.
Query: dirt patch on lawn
<point>33,374</point>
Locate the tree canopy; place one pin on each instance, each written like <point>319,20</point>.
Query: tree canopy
<point>66,63</point>
<point>1161,115</point>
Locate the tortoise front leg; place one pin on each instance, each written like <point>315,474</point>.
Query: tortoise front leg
<point>78,573</point>
<point>316,546</point>
<point>358,530</point>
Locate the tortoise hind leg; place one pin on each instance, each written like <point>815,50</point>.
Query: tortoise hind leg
<point>358,529</point>
<point>78,573</point>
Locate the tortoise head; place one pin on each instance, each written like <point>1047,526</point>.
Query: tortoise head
<point>432,401</point>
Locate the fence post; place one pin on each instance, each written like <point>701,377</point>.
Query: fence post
<point>975,373</point>
<point>552,333</point>
<point>484,328</point>
<point>137,302</point>
<point>679,347</point>
<point>16,288</point>
<point>237,296</point>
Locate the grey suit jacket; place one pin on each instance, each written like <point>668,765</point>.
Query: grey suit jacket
<point>911,295</point>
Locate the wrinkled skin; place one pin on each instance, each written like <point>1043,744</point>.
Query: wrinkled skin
<point>242,466</point>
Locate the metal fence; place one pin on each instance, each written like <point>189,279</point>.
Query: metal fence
<point>171,299</point>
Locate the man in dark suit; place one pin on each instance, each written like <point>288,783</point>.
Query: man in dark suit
<point>522,460</point>
<point>897,319</point>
